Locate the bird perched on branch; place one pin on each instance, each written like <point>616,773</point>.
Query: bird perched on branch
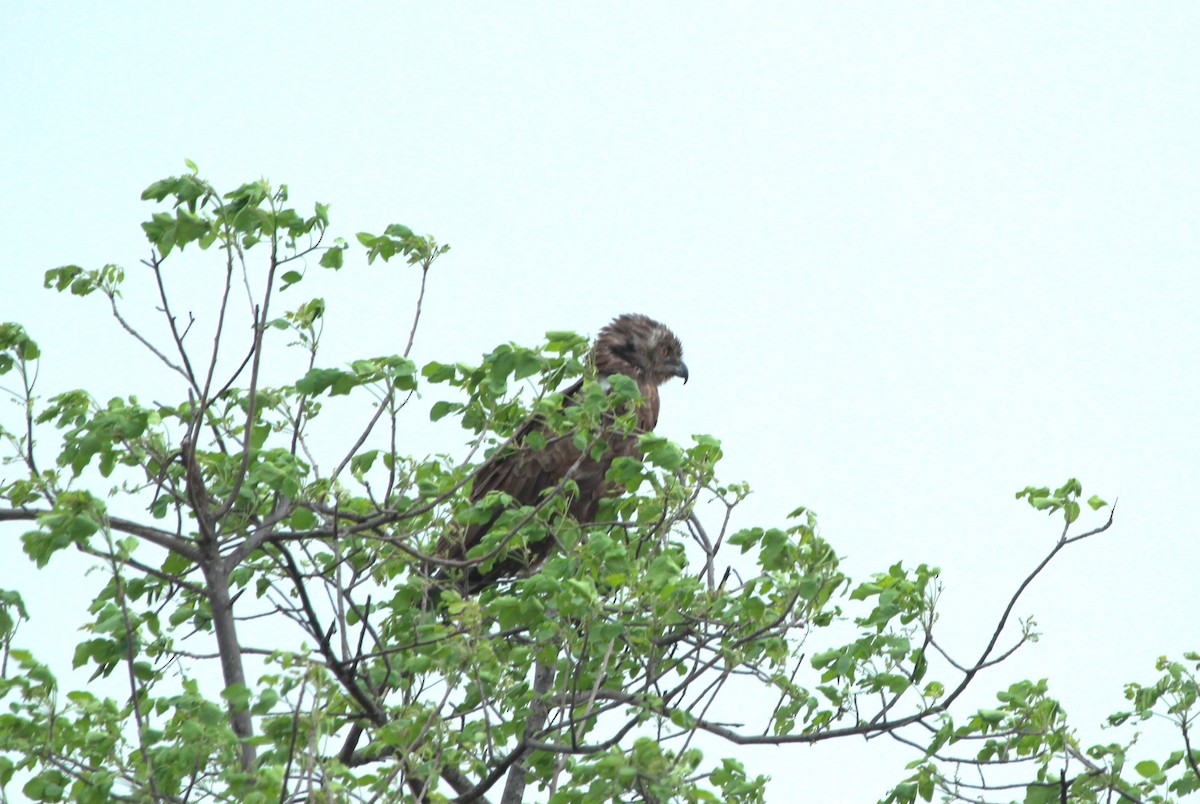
<point>633,345</point>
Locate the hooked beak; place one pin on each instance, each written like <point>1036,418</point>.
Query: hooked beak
<point>680,370</point>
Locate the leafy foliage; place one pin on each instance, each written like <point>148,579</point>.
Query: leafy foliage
<point>588,680</point>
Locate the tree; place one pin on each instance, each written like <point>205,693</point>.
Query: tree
<point>247,532</point>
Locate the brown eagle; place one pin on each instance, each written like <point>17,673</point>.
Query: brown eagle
<point>633,345</point>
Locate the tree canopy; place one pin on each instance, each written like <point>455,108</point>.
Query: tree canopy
<point>269,612</point>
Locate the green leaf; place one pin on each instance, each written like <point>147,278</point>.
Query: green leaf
<point>1147,768</point>
<point>62,278</point>
<point>661,452</point>
<point>528,364</point>
<point>266,701</point>
<point>1044,793</point>
<point>361,463</point>
<point>682,718</point>
<point>398,230</point>
<point>627,471</point>
<point>1096,503</point>
<point>317,381</point>
<point>1072,488</point>
<point>333,257</point>
<point>290,278</point>
<point>14,342</point>
<point>993,717</point>
<point>438,372</point>
<point>49,785</point>
<point>238,696</point>
<point>176,563</point>
<point>623,387</point>
<point>303,519</point>
<point>441,409</point>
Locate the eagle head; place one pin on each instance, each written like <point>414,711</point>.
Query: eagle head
<point>641,348</point>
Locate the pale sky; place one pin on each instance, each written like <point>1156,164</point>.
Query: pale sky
<point>919,256</point>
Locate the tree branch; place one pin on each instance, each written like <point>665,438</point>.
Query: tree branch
<point>162,538</point>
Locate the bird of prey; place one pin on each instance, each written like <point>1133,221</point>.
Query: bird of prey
<point>633,345</point>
